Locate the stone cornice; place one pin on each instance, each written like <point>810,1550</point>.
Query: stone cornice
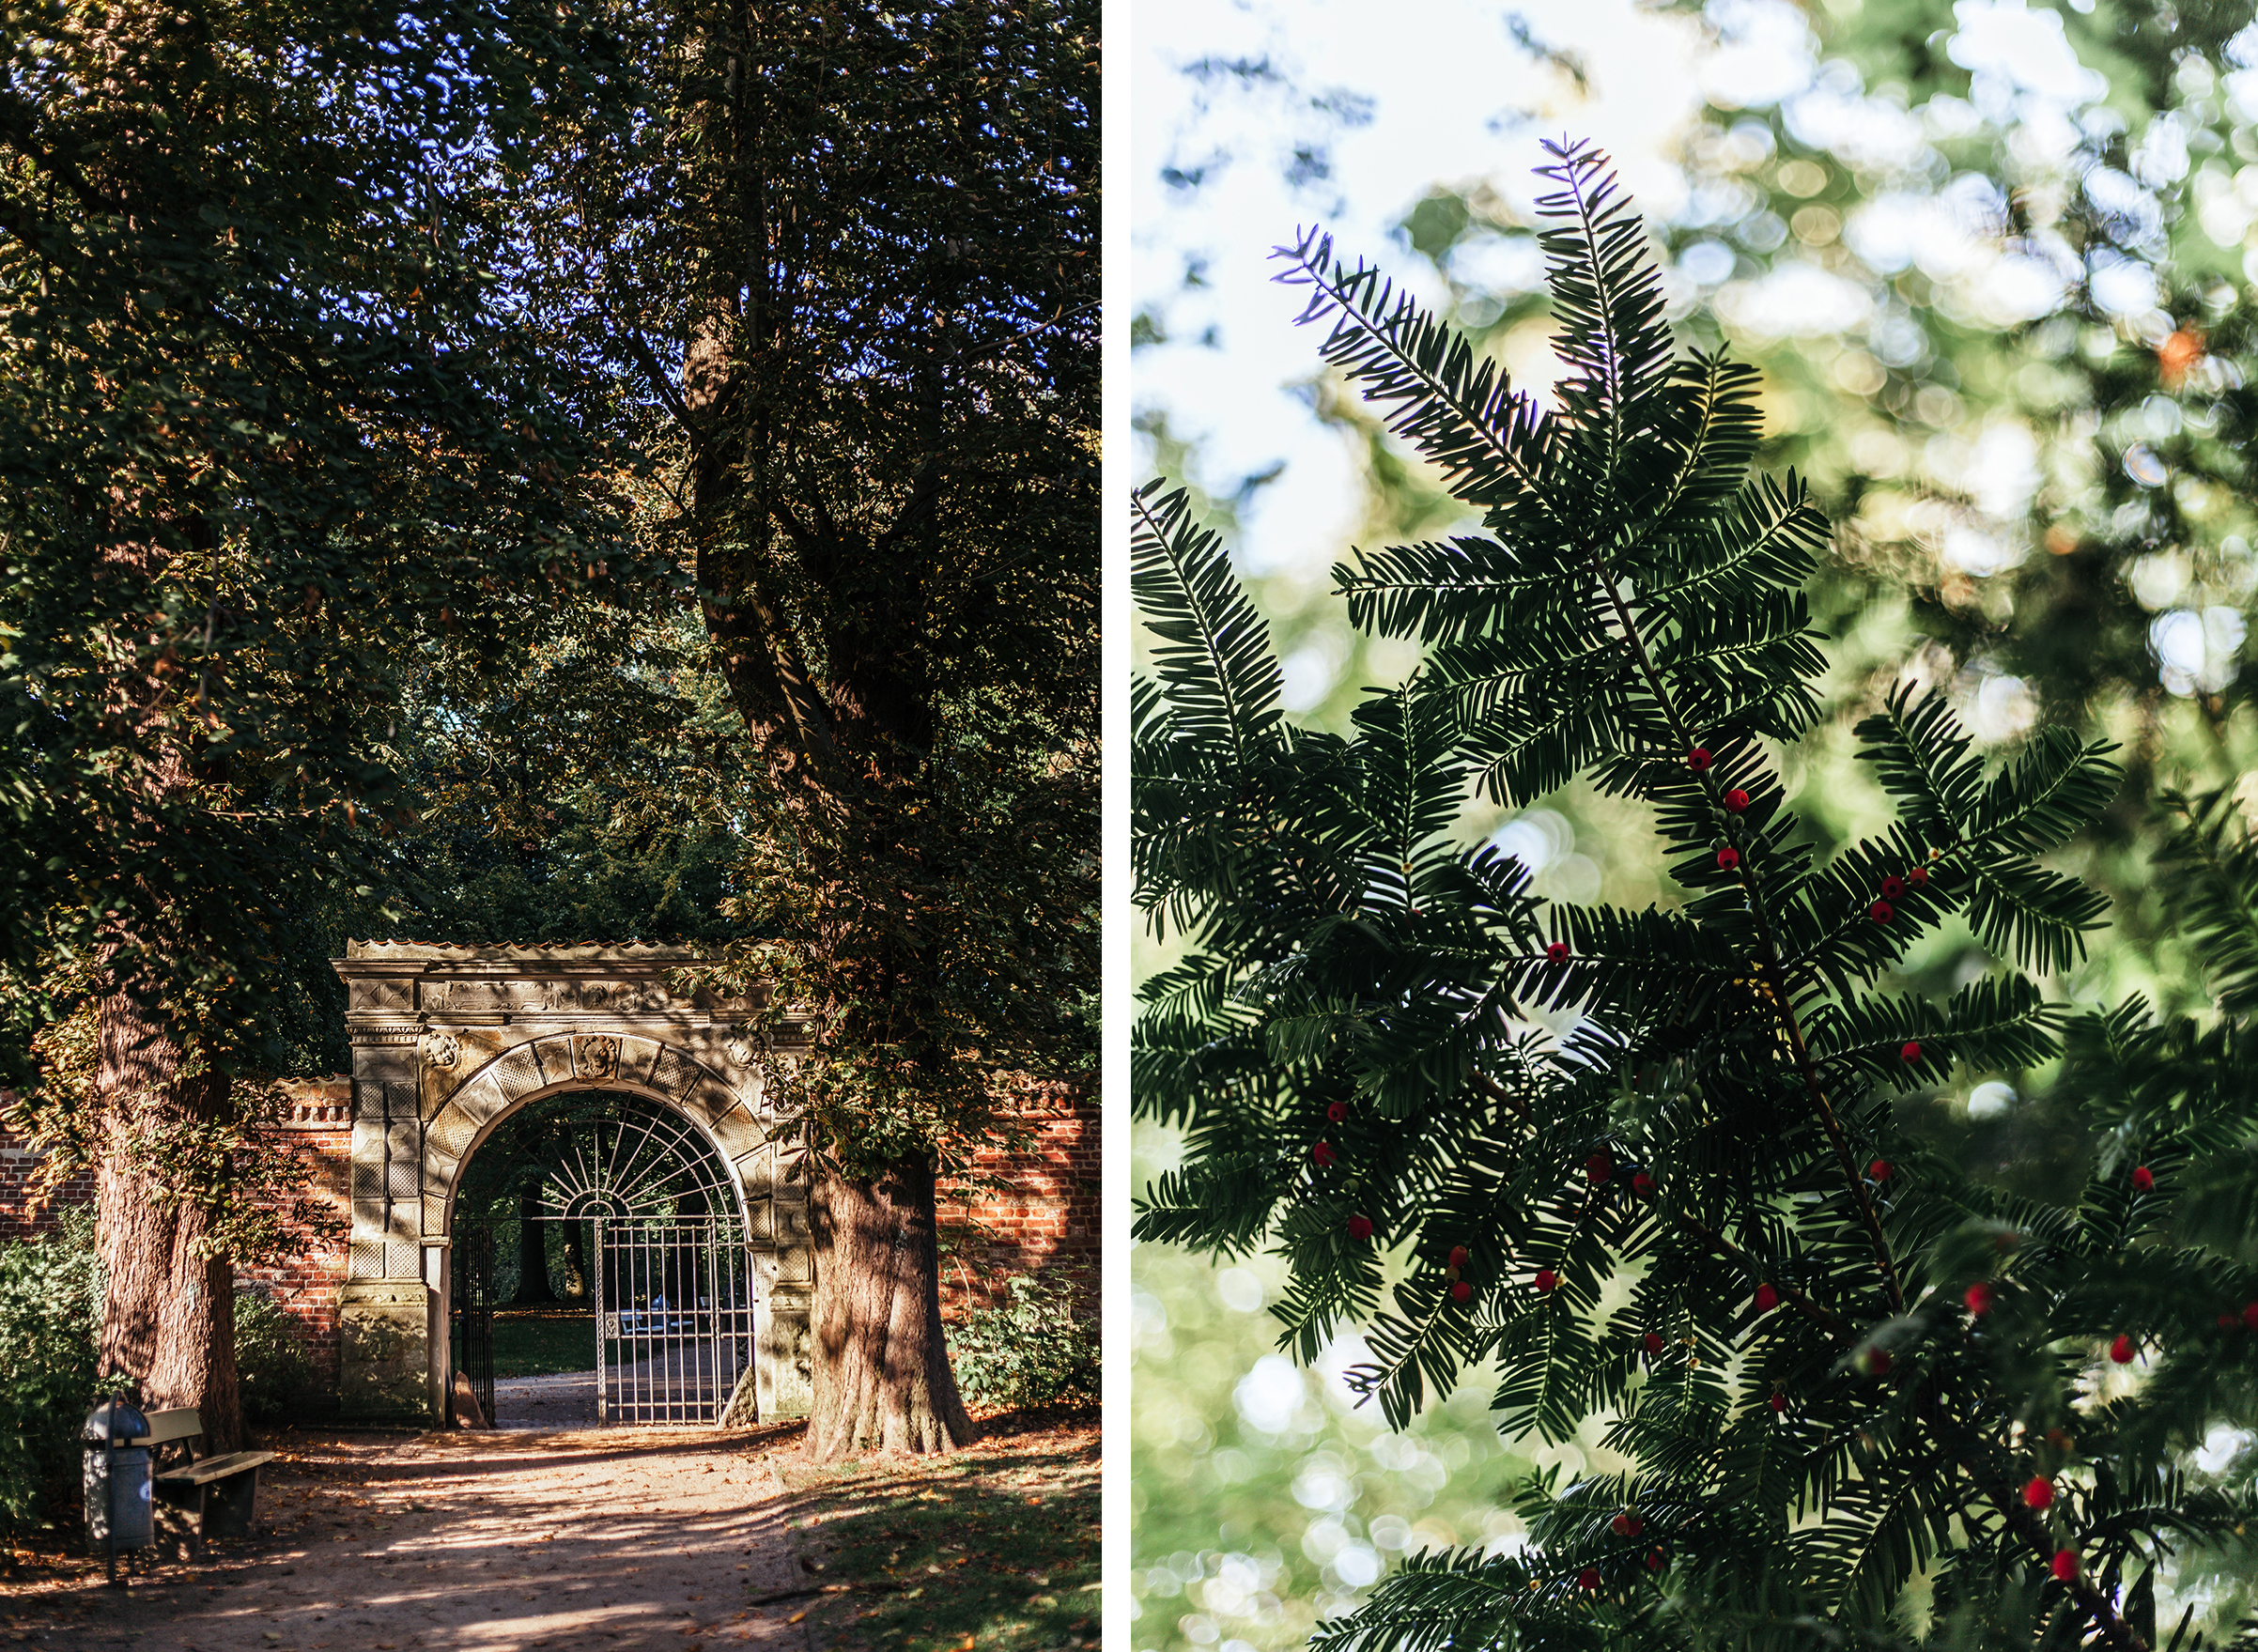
<point>520,960</point>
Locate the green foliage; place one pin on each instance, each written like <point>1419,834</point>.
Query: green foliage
<point>1694,1199</point>
<point>270,1362</point>
<point>273,419</point>
<point>878,431</point>
<point>1039,1347</point>
<point>49,1300</point>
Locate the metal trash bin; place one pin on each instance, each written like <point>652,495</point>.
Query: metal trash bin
<point>118,1514</point>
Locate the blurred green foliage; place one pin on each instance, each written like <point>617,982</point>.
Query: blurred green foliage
<point>1261,1499</point>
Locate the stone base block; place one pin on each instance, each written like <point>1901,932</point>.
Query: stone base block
<point>384,1327</point>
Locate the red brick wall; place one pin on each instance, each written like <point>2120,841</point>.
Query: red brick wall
<point>24,1212</point>
<point>1043,1220</point>
<point>316,1123</point>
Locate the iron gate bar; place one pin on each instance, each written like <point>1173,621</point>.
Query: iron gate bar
<point>474,1265</point>
<point>673,1318</point>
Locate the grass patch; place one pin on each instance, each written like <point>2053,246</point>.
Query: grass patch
<point>994,1547</point>
<point>539,1342</point>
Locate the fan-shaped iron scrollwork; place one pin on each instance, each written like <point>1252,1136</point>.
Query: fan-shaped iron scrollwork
<point>625,1158</point>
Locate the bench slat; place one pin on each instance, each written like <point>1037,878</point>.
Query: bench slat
<point>216,1467</point>
<point>169,1425</point>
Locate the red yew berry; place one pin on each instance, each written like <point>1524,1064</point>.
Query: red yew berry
<point>2066,1566</point>
<point>1460,1256</point>
<point>1880,1170</point>
<point>1728,857</point>
<point>1654,1560</point>
<point>1642,1185</point>
<point>1778,1402</point>
<point>2226,1320</point>
<point>1338,1111</point>
<point>1654,1345</point>
<point>1545,1280</point>
<point>1893,889</point>
<point>1918,876</point>
<point>1978,1298</point>
<point>2249,1315</point>
<point>1876,1361</point>
<point>1589,1578</point>
<point>1325,1155</point>
<point>1908,1052</point>
<point>1360,1227</point>
<point>1627,1525</point>
<point>1736,800</point>
<point>1556,952</point>
<point>2122,1350</point>
<point>1462,1291</point>
<point>2143,1179</point>
<point>1598,1167</point>
<point>2039,1493</point>
<point>1767,1299</point>
<point>1698,758</point>
<point>1881,912</point>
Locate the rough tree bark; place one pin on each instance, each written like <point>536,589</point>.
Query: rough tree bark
<point>168,1311</point>
<point>884,1380</point>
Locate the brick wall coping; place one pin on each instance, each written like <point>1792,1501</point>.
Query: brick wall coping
<point>551,953</point>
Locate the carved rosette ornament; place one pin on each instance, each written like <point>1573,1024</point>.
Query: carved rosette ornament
<point>599,1058</point>
<point>438,1049</point>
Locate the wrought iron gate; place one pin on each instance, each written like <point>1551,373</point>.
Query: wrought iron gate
<point>673,1313</point>
<point>474,1291</point>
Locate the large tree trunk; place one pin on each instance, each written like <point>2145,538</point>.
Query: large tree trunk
<point>168,1311</point>
<point>880,1376</point>
<point>532,1252</point>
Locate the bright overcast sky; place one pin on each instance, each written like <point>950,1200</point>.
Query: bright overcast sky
<point>1447,84</point>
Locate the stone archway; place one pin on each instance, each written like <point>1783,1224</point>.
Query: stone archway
<point>447,1043</point>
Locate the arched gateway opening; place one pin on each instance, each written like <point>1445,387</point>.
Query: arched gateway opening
<point>618,1214</point>
<point>450,1043</point>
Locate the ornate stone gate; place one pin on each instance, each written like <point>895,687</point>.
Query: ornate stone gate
<point>448,1041</point>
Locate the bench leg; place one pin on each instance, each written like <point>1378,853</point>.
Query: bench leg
<point>180,1521</point>
<point>231,1504</point>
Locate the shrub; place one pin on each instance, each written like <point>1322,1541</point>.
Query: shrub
<point>271,1366</point>
<point>1034,1350</point>
<point>49,1293</point>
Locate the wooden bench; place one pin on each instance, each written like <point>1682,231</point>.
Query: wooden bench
<point>223,1491</point>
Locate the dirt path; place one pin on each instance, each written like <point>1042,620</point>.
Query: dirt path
<point>613,1538</point>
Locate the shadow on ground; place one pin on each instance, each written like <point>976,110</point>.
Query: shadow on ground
<point>994,1547</point>
<point>692,1539</point>
<point>613,1538</point>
